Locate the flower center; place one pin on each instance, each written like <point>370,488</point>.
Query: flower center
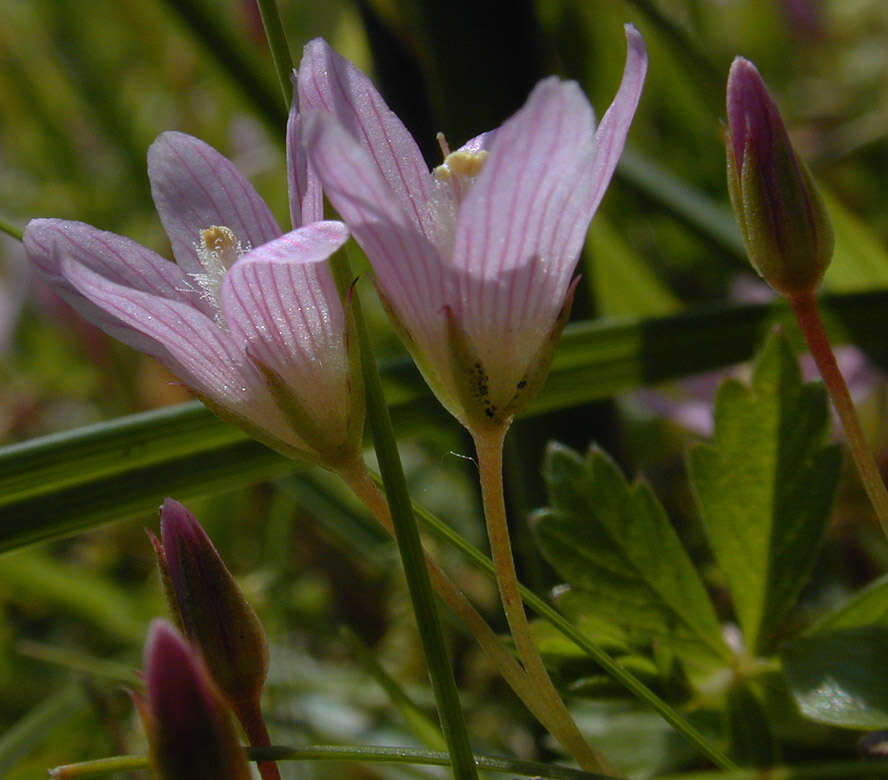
<point>459,168</point>
<point>218,249</point>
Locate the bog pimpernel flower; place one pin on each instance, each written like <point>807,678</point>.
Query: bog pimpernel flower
<point>474,259</point>
<point>248,318</point>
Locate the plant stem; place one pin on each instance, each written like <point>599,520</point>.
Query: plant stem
<point>277,42</point>
<point>808,316</point>
<point>409,545</point>
<point>360,481</point>
<point>251,719</point>
<point>366,753</point>
<point>637,688</point>
<point>11,230</point>
<point>489,447</point>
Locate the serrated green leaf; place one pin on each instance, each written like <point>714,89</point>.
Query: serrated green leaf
<point>613,542</point>
<point>765,486</point>
<point>841,677</point>
<point>867,607</point>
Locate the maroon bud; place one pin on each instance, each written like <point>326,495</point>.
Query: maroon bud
<point>190,732</point>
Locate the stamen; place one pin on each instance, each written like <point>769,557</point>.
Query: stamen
<point>217,250</point>
<point>442,143</point>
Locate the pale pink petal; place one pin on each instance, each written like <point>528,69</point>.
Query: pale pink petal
<point>201,354</point>
<point>115,257</point>
<point>610,138</point>
<point>194,187</point>
<point>306,196</point>
<point>504,270</point>
<point>328,82</point>
<point>406,264</point>
<point>50,242</point>
<point>521,227</point>
<point>281,302</point>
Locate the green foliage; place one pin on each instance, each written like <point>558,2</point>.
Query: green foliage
<point>840,677</point>
<point>765,487</point>
<point>613,542</point>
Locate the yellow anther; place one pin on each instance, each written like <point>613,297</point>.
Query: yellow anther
<point>461,163</point>
<point>218,238</point>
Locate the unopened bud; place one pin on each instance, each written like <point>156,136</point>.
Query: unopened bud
<point>211,610</point>
<point>190,732</point>
<point>784,222</point>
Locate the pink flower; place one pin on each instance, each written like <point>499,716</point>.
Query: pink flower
<point>248,318</point>
<point>474,259</point>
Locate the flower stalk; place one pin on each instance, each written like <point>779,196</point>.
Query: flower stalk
<point>789,239</point>
<point>807,314</point>
<point>489,448</point>
<point>410,547</point>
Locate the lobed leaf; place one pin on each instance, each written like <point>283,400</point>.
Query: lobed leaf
<point>613,542</point>
<point>765,486</point>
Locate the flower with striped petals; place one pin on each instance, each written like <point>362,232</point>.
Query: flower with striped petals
<point>474,259</point>
<point>249,318</point>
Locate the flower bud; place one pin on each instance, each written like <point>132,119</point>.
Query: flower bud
<point>190,732</point>
<point>784,222</point>
<point>211,610</point>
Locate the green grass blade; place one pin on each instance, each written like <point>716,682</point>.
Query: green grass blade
<point>59,484</point>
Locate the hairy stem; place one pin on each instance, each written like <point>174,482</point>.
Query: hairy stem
<point>807,313</point>
<point>489,447</point>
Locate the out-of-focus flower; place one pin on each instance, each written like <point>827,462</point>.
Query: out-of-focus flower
<point>474,259</point>
<point>210,608</point>
<point>248,318</point>
<point>190,732</point>
<point>786,228</point>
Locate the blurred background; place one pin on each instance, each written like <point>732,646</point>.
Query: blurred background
<point>86,85</point>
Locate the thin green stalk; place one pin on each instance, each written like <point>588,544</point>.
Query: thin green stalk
<point>368,754</point>
<point>409,544</point>
<point>625,678</point>
<point>277,42</point>
<point>406,531</point>
<point>11,230</point>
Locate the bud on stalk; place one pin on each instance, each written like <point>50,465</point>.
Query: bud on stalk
<point>785,226</point>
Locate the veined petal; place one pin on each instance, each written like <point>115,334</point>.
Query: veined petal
<point>406,264</point>
<point>193,347</point>
<point>280,300</point>
<point>610,138</point>
<point>328,82</point>
<point>194,187</point>
<point>49,242</point>
<point>115,257</point>
<point>304,187</point>
<point>504,271</point>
